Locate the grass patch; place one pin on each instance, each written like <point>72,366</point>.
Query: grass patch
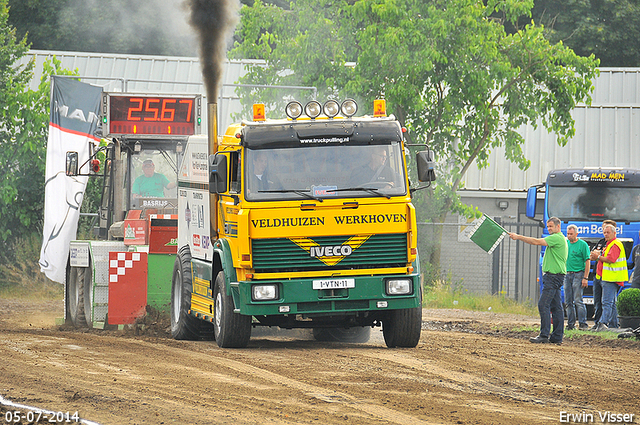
<point>443,294</point>
<point>535,328</point>
<point>577,334</point>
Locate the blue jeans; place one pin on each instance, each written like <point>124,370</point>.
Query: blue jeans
<point>550,307</point>
<point>609,311</point>
<point>573,298</point>
<point>597,300</point>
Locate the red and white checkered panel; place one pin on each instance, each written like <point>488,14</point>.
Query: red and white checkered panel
<point>119,266</point>
<point>127,287</point>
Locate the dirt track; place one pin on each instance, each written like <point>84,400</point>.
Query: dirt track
<point>469,368</point>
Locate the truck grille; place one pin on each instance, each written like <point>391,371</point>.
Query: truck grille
<point>285,255</point>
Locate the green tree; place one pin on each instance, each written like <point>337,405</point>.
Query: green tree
<point>154,27</point>
<point>18,130</point>
<point>38,21</point>
<point>608,29</point>
<point>24,120</point>
<point>449,70</point>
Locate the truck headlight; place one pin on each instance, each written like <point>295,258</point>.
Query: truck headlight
<point>349,107</point>
<point>398,286</point>
<point>331,108</point>
<point>294,110</point>
<point>264,292</point>
<point>313,109</point>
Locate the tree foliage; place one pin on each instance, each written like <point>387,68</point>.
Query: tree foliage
<point>608,29</point>
<point>154,27</point>
<point>450,72</point>
<point>24,119</point>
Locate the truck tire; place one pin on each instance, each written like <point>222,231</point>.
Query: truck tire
<point>402,328</point>
<point>231,330</point>
<point>75,296</point>
<point>357,335</point>
<point>184,325</point>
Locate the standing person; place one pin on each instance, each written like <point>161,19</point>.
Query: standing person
<point>634,262</point>
<point>612,270</point>
<point>597,286</point>
<point>554,268</point>
<point>577,278</point>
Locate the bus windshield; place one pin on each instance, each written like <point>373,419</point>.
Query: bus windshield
<point>594,203</point>
<point>321,172</point>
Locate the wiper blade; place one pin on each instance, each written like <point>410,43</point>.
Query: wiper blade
<point>372,190</point>
<point>296,191</point>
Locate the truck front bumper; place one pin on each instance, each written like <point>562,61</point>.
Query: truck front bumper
<point>298,296</point>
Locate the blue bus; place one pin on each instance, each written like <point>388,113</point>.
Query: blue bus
<point>585,197</point>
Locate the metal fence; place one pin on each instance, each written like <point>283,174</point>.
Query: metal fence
<point>515,264</point>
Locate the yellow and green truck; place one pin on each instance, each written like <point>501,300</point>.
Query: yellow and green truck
<point>300,222</point>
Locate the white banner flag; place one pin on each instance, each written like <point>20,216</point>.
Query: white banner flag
<point>74,119</point>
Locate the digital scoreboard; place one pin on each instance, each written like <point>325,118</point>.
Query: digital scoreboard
<point>142,115</point>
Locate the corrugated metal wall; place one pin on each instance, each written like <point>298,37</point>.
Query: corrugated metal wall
<point>607,135</point>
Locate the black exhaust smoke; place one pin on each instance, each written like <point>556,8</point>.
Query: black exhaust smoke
<point>214,22</point>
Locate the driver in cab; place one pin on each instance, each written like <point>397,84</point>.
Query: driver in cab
<point>151,184</point>
<point>375,171</point>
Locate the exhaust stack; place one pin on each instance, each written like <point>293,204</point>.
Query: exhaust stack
<point>212,133</point>
<point>212,117</point>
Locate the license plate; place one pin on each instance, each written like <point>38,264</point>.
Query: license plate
<point>334,283</point>
<point>588,301</point>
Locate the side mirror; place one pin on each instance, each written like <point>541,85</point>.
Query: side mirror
<point>532,197</point>
<point>426,166</point>
<point>72,164</point>
<point>218,173</point>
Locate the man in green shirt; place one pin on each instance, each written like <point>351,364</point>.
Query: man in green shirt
<point>554,268</point>
<point>577,278</point>
<point>151,184</point>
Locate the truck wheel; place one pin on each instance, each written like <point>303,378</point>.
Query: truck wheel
<point>183,325</point>
<point>75,296</point>
<point>231,330</point>
<point>402,328</point>
<point>356,335</point>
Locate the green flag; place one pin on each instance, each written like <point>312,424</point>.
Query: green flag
<point>487,234</point>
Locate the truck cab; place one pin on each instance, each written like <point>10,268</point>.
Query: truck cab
<point>304,222</point>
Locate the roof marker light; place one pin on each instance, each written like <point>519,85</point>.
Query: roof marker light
<point>313,109</point>
<point>349,108</point>
<point>294,109</point>
<point>379,108</point>
<point>258,112</point>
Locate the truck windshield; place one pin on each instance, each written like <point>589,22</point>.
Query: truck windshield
<point>594,203</point>
<point>323,172</point>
